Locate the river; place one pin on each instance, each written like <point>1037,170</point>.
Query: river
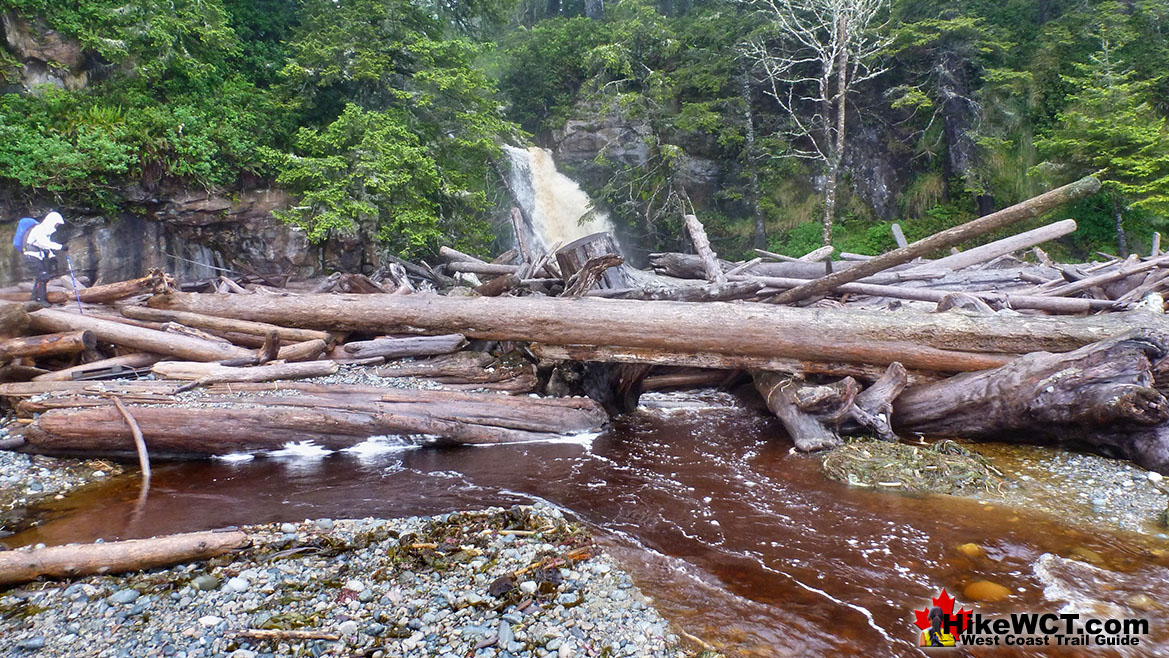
<point>740,541</point>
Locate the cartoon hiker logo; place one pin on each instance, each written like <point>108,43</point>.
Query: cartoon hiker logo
<point>939,624</point>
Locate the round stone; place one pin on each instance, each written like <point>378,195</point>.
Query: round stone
<point>125,596</point>
<point>206,583</point>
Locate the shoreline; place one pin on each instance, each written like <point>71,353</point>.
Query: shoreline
<point>522,582</point>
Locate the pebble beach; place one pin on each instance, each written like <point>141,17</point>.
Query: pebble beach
<point>521,582</point>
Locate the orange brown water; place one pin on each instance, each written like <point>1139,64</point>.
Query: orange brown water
<point>741,542</point>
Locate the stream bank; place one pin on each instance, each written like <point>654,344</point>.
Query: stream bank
<point>740,541</point>
<point>520,582</point>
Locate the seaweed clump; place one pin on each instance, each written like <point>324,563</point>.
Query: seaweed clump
<point>942,467</point>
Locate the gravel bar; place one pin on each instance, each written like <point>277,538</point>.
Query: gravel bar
<point>522,582</point>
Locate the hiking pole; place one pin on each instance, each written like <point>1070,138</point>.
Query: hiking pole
<point>76,294</point>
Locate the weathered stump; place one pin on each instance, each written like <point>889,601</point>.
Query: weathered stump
<point>573,256</point>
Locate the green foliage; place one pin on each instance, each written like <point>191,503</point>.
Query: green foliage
<point>408,127</point>
<point>544,67</point>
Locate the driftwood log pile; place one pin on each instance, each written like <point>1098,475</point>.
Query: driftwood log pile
<point>995,342</point>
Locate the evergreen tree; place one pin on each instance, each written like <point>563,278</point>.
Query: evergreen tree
<point>1110,129</point>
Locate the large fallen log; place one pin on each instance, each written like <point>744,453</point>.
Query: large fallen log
<point>77,418</point>
<point>942,342</point>
<point>146,340</point>
<point>986,224</point>
<point>21,566</point>
<point>223,324</point>
<point>1101,395</point>
<point>1006,300</point>
<point>689,266</point>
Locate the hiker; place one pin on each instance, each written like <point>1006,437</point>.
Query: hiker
<point>39,256</point>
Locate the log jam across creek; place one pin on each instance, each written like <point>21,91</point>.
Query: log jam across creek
<point>740,541</point>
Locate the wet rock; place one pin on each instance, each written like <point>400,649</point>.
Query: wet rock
<point>206,583</point>
<point>32,644</point>
<point>984,590</point>
<point>972,550</point>
<point>1087,555</point>
<point>125,596</point>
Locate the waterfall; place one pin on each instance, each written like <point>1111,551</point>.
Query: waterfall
<point>553,201</point>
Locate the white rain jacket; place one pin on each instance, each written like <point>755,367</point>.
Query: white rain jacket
<point>39,238</point>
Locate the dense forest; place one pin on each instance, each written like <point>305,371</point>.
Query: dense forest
<point>781,123</point>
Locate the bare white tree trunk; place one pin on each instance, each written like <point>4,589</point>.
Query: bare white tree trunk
<point>818,52</point>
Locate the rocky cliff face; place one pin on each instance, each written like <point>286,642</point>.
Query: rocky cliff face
<point>595,144</point>
<point>45,57</point>
<point>188,233</point>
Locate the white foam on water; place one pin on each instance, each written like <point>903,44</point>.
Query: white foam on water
<point>301,449</point>
<point>235,457</point>
<point>375,446</point>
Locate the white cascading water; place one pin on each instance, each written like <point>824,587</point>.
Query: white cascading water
<point>553,201</point>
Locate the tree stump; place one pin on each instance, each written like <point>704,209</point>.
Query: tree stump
<point>573,257</point>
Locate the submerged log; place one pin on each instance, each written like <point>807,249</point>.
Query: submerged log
<point>809,413</point>
<point>986,224</point>
<point>1101,395</point>
<point>146,340</point>
<point>21,566</point>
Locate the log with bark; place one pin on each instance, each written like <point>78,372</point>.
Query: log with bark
<point>13,319</point>
<point>73,560</point>
<point>1101,395</point>
<point>70,342</point>
<point>154,282</point>
<point>117,364</point>
<point>469,370</point>
<point>333,416</point>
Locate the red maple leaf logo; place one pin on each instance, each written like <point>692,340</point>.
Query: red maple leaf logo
<point>946,603</point>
